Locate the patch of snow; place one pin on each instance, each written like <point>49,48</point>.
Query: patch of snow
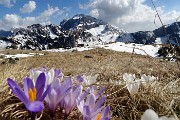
<point>133,48</point>
<point>80,25</point>
<point>161,40</point>
<point>18,56</point>
<point>150,50</point>
<point>91,23</point>
<point>76,17</point>
<point>51,34</point>
<point>97,30</point>
<point>22,55</point>
<point>69,50</point>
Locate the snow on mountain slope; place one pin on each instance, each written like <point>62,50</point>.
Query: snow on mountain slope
<point>51,33</point>
<point>105,35</point>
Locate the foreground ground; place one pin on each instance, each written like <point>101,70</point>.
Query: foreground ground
<point>163,97</point>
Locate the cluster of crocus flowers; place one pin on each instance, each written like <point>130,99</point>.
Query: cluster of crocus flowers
<point>57,91</point>
<point>133,83</point>
<point>91,107</point>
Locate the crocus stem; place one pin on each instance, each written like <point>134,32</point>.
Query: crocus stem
<point>51,114</point>
<point>33,115</point>
<point>66,116</point>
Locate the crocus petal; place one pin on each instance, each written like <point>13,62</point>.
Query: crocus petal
<point>56,84</point>
<point>133,87</point>
<point>45,93</point>
<point>105,112</point>
<point>40,84</point>
<point>129,77</point>
<point>84,95</point>
<point>35,106</point>
<point>67,83</point>
<point>21,95</point>
<point>86,112</point>
<point>57,73</point>
<point>91,98</point>
<point>99,103</point>
<point>52,95</point>
<point>150,115</point>
<point>34,74</point>
<point>80,105</point>
<point>49,76</point>
<point>100,92</point>
<point>77,92</point>
<point>62,94</point>
<point>107,118</point>
<point>18,91</point>
<point>70,99</point>
<point>68,106</point>
<point>27,85</point>
<point>12,84</point>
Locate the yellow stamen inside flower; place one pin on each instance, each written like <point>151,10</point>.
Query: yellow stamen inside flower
<point>32,94</point>
<point>98,116</point>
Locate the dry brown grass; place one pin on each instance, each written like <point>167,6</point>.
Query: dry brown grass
<point>164,97</point>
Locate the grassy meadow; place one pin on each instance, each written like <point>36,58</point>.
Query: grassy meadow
<point>163,97</point>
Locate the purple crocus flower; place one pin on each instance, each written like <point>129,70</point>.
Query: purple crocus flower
<point>33,95</point>
<point>57,93</point>
<point>80,78</point>
<point>104,115</point>
<point>93,89</point>
<point>90,108</point>
<point>70,99</point>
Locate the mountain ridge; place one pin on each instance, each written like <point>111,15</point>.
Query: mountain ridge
<point>84,30</point>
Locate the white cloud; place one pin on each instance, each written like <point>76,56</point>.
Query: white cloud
<point>7,3</point>
<point>50,11</point>
<point>13,20</point>
<point>29,7</point>
<point>130,15</point>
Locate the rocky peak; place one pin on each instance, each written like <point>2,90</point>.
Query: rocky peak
<point>81,21</point>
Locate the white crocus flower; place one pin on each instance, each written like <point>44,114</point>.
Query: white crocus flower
<point>34,74</point>
<point>116,82</point>
<point>150,114</point>
<point>49,75</point>
<point>89,80</point>
<point>148,80</point>
<point>132,83</point>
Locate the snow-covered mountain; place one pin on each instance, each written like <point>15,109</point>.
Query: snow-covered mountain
<point>99,32</point>
<point>83,30</point>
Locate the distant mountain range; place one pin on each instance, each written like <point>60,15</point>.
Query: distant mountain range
<point>83,30</point>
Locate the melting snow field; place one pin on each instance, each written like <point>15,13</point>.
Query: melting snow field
<point>150,50</point>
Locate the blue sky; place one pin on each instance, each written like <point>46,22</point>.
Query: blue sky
<point>130,15</point>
